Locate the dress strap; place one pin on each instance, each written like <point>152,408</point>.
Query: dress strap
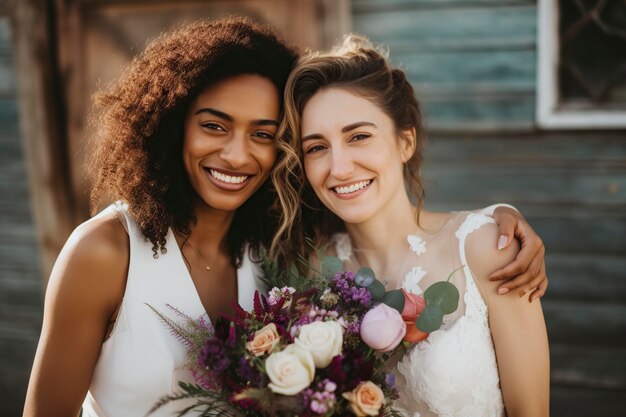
<point>472,222</point>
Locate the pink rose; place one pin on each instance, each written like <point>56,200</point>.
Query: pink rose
<point>265,340</point>
<point>366,399</point>
<point>413,306</point>
<point>382,328</point>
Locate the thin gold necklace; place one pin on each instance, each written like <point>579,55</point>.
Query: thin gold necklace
<point>207,267</point>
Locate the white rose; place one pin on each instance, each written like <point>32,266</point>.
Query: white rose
<point>323,339</point>
<point>290,370</point>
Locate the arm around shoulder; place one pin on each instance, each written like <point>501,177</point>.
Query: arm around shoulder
<point>85,288</point>
<point>517,328</point>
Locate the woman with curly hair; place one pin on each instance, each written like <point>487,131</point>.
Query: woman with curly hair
<point>187,143</point>
<point>353,139</point>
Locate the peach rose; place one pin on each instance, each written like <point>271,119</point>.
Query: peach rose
<point>413,306</point>
<point>366,399</point>
<point>265,340</point>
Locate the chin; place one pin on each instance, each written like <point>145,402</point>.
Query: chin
<point>225,203</point>
<point>353,216</point>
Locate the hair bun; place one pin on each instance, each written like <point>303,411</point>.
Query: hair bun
<point>353,44</point>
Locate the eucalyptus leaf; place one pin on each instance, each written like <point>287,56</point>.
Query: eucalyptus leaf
<point>364,277</point>
<point>293,271</point>
<point>443,294</point>
<point>331,265</point>
<point>430,319</point>
<point>394,299</point>
<point>377,289</point>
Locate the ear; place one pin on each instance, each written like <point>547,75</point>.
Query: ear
<point>408,143</point>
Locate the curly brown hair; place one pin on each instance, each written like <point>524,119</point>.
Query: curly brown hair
<point>363,69</point>
<point>138,154</point>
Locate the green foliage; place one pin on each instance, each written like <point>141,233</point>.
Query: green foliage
<point>273,403</point>
<point>209,403</point>
<point>430,319</point>
<point>394,299</point>
<point>443,294</point>
<point>441,298</point>
<point>331,265</point>
<point>377,289</point>
<point>365,277</point>
<point>301,274</point>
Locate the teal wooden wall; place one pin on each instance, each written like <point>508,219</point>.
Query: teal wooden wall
<point>20,281</point>
<point>473,64</point>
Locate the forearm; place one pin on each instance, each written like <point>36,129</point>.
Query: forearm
<point>521,344</point>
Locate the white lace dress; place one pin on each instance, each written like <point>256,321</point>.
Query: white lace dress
<point>453,373</point>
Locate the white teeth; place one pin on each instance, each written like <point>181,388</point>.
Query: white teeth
<point>352,188</point>
<point>228,178</point>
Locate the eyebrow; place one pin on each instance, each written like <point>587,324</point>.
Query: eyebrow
<point>345,129</point>
<point>229,118</point>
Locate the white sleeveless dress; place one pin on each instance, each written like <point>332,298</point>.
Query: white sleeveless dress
<point>142,361</point>
<point>454,372</point>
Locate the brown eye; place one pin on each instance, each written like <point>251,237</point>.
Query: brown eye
<point>265,135</point>
<point>314,149</point>
<point>359,136</point>
<point>213,126</point>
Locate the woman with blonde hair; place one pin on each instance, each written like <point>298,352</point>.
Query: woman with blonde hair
<point>353,142</point>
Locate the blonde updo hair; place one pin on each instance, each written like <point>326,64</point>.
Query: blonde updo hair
<point>361,68</point>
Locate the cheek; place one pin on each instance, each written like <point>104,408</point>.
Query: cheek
<point>267,158</point>
<point>311,170</point>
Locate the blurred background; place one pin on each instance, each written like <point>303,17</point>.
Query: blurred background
<point>525,103</point>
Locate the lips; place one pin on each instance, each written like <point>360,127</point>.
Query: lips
<point>228,181</point>
<point>231,179</point>
<point>351,188</point>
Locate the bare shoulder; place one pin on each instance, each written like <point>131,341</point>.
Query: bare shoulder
<point>93,264</point>
<point>85,288</point>
<point>484,257</point>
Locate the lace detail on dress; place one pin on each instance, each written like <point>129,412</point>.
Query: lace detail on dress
<point>454,373</point>
<point>343,246</point>
<point>417,244</point>
<point>412,280</point>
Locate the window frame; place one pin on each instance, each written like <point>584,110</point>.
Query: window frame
<point>548,114</point>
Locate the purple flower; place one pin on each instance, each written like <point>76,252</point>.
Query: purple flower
<point>322,400</point>
<point>248,373</point>
<point>390,380</point>
<point>214,356</point>
<point>350,292</point>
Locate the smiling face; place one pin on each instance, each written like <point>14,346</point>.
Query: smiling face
<point>229,149</point>
<point>353,157</point>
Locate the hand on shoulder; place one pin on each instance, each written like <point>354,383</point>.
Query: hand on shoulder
<point>484,257</point>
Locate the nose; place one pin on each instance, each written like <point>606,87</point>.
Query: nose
<point>342,166</point>
<point>236,151</point>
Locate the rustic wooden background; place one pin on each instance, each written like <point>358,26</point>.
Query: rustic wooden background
<point>473,63</point>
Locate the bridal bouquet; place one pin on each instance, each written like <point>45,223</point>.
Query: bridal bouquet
<point>316,351</point>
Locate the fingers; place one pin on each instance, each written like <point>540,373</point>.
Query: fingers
<point>528,253</point>
<point>519,265</point>
<point>507,222</point>
<point>511,270</point>
<point>542,287</point>
<point>526,281</point>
